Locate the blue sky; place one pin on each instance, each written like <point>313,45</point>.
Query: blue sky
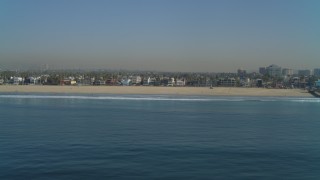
<point>163,35</point>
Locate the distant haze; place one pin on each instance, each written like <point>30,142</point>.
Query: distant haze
<point>162,35</point>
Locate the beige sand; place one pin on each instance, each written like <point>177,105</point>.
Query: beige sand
<point>216,91</point>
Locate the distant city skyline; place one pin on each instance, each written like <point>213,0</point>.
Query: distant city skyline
<point>175,35</point>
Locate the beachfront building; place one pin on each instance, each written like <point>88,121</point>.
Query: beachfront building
<point>245,82</point>
<point>227,82</point>
<point>171,82</point>
<point>145,82</point>
<point>126,82</point>
<point>86,81</point>
<point>16,80</point>
<point>68,82</point>
<point>295,82</point>
<point>274,70</point>
<point>99,83</point>
<point>299,82</point>
<point>136,80</point>
<point>32,80</point>
<point>259,83</point>
<point>151,81</point>
<point>180,82</point>
<point>35,80</point>
<point>111,81</point>
<point>164,81</point>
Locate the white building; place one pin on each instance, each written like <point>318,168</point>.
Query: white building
<point>17,80</point>
<point>126,82</point>
<point>136,80</point>
<point>171,82</point>
<point>35,80</point>
<point>151,81</point>
<point>180,82</point>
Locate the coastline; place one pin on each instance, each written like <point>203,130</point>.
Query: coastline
<point>139,90</point>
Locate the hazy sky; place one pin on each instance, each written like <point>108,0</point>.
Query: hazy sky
<point>164,35</point>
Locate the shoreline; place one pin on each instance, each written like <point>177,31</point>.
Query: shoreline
<point>155,90</point>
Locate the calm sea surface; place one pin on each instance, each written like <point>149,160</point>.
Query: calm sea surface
<point>45,136</point>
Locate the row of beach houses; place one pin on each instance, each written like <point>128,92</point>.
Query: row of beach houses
<point>21,80</point>
<point>272,76</point>
<point>294,82</point>
<point>124,81</point>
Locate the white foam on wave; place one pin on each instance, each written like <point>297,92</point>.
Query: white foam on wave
<point>163,98</point>
<point>316,100</point>
<point>102,98</point>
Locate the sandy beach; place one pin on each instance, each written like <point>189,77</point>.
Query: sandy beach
<point>216,91</point>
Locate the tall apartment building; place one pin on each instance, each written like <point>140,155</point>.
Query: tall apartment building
<point>241,72</point>
<point>306,72</point>
<point>263,70</point>
<point>316,72</point>
<point>274,70</point>
<point>287,72</point>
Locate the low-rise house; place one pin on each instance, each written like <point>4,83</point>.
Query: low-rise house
<point>68,82</point>
<point>171,82</point>
<point>164,81</point>
<point>126,82</point>
<point>136,80</point>
<point>259,83</point>
<point>145,82</point>
<point>32,80</point>
<point>180,82</point>
<point>111,81</point>
<point>157,82</point>
<point>245,82</point>
<point>99,83</point>
<point>295,82</point>
<point>151,81</point>
<point>16,80</point>
<point>87,81</point>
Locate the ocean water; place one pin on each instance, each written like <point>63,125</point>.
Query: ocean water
<point>50,136</point>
